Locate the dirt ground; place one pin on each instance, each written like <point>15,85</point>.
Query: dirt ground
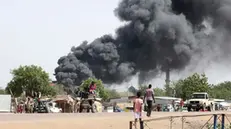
<point>100,121</point>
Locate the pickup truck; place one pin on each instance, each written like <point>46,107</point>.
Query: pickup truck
<point>199,101</point>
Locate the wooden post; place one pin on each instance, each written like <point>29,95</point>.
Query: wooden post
<point>141,124</point>
<point>223,121</point>
<point>130,125</point>
<point>215,121</point>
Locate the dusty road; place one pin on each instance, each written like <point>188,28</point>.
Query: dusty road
<point>97,121</point>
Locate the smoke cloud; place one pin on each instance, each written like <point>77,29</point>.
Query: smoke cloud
<point>159,33</point>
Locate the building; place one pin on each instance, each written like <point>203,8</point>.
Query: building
<point>5,103</point>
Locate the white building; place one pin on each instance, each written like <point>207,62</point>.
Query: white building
<point>5,103</point>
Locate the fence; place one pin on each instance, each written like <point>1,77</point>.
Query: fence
<point>198,121</point>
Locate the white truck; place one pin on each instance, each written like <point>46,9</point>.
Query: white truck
<point>200,100</point>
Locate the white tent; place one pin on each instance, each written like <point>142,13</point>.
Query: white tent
<point>165,100</point>
<point>224,104</point>
<point>5,103</point>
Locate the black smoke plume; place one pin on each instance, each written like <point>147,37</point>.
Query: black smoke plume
<point>158,34</point>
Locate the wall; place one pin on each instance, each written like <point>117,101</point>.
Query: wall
<point>5,103</point>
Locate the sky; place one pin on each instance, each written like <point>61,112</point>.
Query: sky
<point>41,31</point>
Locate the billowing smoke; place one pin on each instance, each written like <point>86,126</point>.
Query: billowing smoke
<point>158,34</point>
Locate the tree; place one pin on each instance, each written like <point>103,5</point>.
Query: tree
<point>177,87</point>
<point>49,90</point>
<point>59,88</point>
<point>195,83</point>
<point>221,91</point>
<point>112,93</point>
<point>2,91</point>
<point>169,90</point>
<point>142,89</point>
<point>30,79</point>
<point>101,91</point>
<point>159,92</point>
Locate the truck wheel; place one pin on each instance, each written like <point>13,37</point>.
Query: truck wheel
<point>209,109</point>
<point>199,107</point>
<point>80,109</point>
<point>189,108</point>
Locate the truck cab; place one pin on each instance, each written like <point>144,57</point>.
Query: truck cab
<point>199,100</point>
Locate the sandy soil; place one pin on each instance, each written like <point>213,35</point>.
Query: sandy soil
<point>98,121</point>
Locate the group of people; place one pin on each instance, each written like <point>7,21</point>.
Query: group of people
<point>138,103</point>
<point>27,106</point>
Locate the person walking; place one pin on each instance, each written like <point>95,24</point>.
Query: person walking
<point>137,106</point>
<point>149,96</point>
<point>181,105</point>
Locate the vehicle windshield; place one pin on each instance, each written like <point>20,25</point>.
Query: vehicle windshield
<point>198,96</point>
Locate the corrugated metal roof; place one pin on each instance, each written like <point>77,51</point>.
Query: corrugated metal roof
<point>63,98</point>
<point>167,98</point>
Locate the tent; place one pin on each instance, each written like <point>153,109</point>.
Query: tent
<point>65,102</point>
<point>224,104</point>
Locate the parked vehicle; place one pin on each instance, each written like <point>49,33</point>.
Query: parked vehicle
<point>45,106</point>
<point>41,107</point>
<point>199,101</point>
<point>53,107</point>
<point>87,102</point>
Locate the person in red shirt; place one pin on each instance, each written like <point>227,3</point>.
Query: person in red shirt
<point>181,104</point>
<point>137,105</point>
<point>92,88</point>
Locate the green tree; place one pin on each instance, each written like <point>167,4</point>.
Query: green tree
<point>30,79</point>
<point>159,92</point>
<point>2,91</point>
<point>112,93</point>
<point>59,89</point>
<point>177,87</point>
<point>168,90</point>
<point>142,89</point>
<point>49,90</point>
<point>195,83</point>
<point>101,91</point>
<point>221,90</point>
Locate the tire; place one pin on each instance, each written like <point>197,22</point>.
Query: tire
<point>189,108</point>
<point>209,109</point>
<point>80,109</point>
<point>88,109</point>
<point>199,107</point>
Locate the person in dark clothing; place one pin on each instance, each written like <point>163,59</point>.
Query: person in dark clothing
<point>149,96</point>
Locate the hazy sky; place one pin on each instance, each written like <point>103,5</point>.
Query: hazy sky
<point>41,31</point>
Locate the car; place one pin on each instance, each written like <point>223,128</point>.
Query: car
<point>41,107</point>
<point>199,101</point>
